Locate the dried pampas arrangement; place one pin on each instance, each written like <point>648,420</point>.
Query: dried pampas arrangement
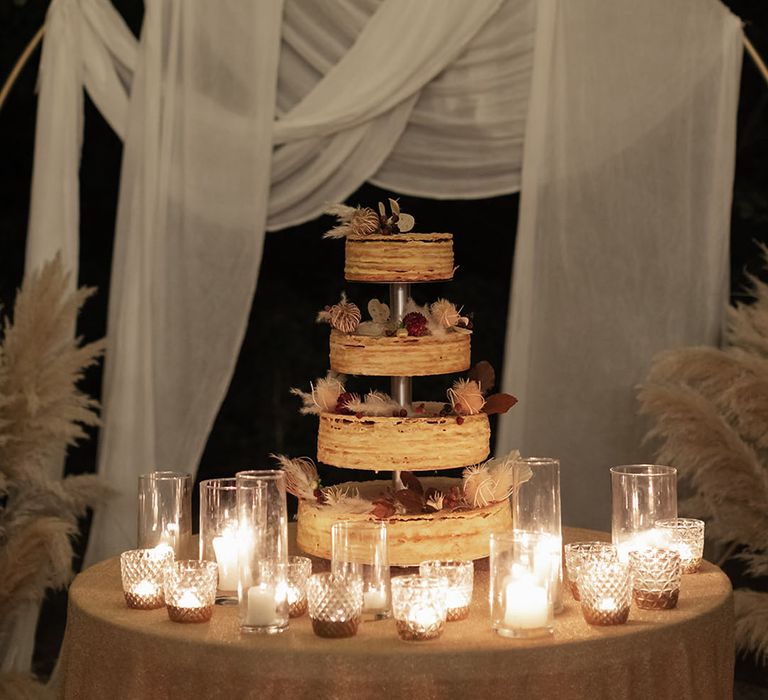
<point>494,480</point>
<point>710,408</point>
<point>42,412</point>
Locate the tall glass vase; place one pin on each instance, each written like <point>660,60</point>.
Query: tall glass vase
<point>218,533</point>
<point>165,512</point>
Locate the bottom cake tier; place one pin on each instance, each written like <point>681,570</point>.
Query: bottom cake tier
<point>412,538</point>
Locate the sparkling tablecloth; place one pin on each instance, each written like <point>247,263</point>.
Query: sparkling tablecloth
<point>113,652</point>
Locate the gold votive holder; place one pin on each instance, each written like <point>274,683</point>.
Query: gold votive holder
<point>299,571</point>
<point>335,605</point>
<point>419,607</point>
<point>142,572</point>
<point>577,554</point>
<point>686,537</point>
<point>656,575</point>
<point>459,579</point>
<point>190,590</point>
<point>606,592</point>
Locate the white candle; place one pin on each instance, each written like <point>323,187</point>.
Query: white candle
<point>374,599</point>
<point>145,588</point>
<point>262,606</point>
<point>457,598</point>
<point>527,606</point>
<point>225,548</point>
<point>189,600</point>
<point>607,605</point>
<point>423,616</point>
<point>641,540</point>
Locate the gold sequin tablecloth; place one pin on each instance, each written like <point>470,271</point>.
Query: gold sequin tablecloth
<point>113,652</point>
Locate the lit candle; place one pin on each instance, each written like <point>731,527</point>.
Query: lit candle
<point>607,605</point>
<point>527,606</point>
<point>225,548</point>
<point>642,540</point>
<point>423,616</point>
<point>145,589</point>
<point>189,600</point>
<point>262,606</point>
<point>374,599</point>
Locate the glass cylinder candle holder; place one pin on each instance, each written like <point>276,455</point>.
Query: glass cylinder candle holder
<point>299,571</point>
<point>656,575</point>
<point>262,551</point>
<point>165,512</point>
<point>335,605</point>
<point>536,509</point>
<point>359,550</point>
<point>190,590</point>
<point>641,495</point>
<point>521,585</point>
<point>142,573</point>
<point>419,606</point>
<point>606,591</point>
<point>685,536</point>
<point>577,554</point>
<point>459,580</point>
<point>218,533</point>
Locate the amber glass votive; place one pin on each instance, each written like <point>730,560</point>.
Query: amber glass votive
<point>299,571</point>
<point>142,572</point>
<point>656,574</point>
<point>686,537</point>
<point>459,579</point>
<point>606,592</point>
<point>190,590</point>
<point>578,554</point>
<point>419,607</point>
<point>335,605</point>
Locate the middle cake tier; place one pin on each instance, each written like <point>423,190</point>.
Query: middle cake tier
<point>414,443</point>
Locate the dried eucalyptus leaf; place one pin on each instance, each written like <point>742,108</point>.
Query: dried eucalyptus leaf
<point>394,206</point>
<point>411,481</point>
<point>406,223</point>
<point>498,403</point>
<point>484,374</point>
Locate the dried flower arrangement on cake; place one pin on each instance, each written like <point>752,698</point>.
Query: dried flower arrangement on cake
<point>437,319</point>
<point>364,221</point>
<point>481,485</point>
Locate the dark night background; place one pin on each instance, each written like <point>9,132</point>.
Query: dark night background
<point>283,346</point>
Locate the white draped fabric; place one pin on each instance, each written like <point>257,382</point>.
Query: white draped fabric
<point>629,139</point>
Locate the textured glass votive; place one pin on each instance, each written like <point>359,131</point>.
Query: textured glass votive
<point>579,553</point>
<point>359,550</point>
<point>299,571</point>
<point>641,494</point>
<point>419,607</point>
<point>165,512</point>
<point>335,605</point>
<point>142,573</point>
<point>218,533</point>
<point>459,579</point>
<point>606,592</point>
<point>521,584</point>
<point>686,537</point>
<point>656,575</point>
<point>190,590</point>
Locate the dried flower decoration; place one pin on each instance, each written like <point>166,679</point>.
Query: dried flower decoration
<point>344,316</point>
<point>436,501</point>
<point>494,480</point>
<point>301,477</point>
<point>375,403</point>
<point>324,395</point>
<point>446,315</point>
<point>354,221</point>
<point>396,221</point>
<point>466,397</point>
<point>345,500</point>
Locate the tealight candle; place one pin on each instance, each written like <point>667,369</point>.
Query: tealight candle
<point>142,576</point>
<point>458,577</point>
<point>686,537</point>
<point>190,590</point>
<point>299,571</point>
<point>335,605</point>
<point>419,606</point>
<point>579,554</point>
<point>656,575</point>
<point>606,592</point>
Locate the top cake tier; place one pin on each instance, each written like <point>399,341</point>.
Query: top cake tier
<point>404,257</point>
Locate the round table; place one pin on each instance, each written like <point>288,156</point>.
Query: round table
<point>111,651</point>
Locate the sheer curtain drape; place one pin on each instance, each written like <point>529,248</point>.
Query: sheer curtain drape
<point>246,116</point>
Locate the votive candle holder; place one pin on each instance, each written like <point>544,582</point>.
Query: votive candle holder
<point>299,572</point>
<point>218,534</point>
<point>606,592</point>
<point>459,580</point>
<point>190,590</point>
<point>578,554</point>
<point>685,536</point>
<point>641,494</point>
<point>335,605</point>
<point>419,606</point>
<point>165,512</point>
<point>142,573</point>
<point>656,575</point>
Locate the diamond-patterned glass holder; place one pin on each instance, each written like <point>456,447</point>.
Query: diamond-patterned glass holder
<point>419,606</point>
<point>685,536</point>
<point>335,605</point>
<point>190,590</point>
<point>606,591</point>
<point>299,571</point>
<point>577,554</point>
<point>656,575</point>
<point>142,572</point>
<point>459,578</point>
